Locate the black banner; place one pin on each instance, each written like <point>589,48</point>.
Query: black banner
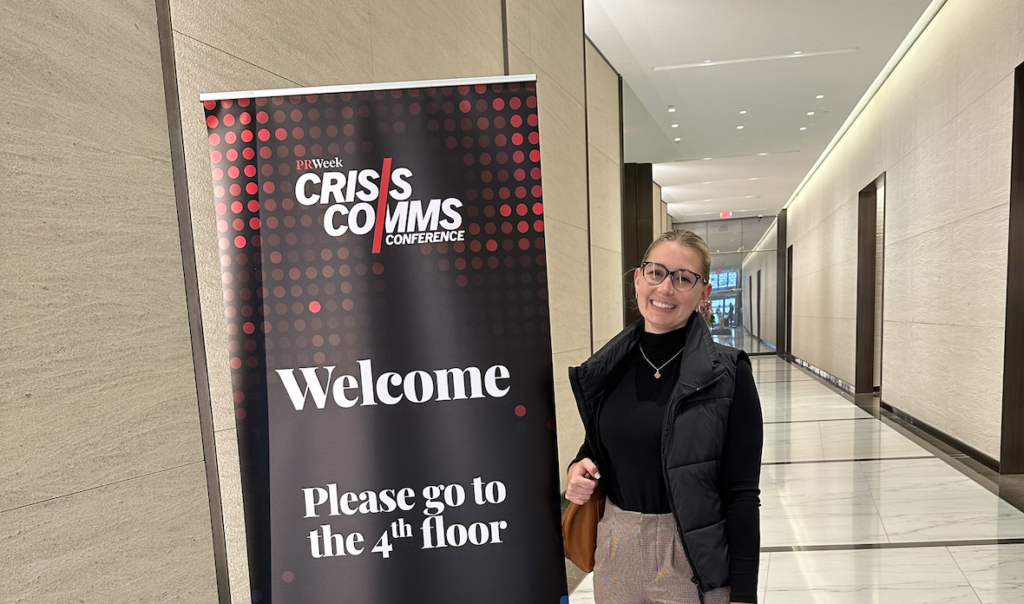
<point>386,295</point>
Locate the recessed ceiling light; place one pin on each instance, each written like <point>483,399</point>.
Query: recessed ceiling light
<point>803,127</point>
<point>762,154</point>
<point>820,96</point>
<point>675,125</point>
<point>677,139</point>
<point>671,108</point>
<point>739,127</point>
<point>798,52</point>
<point>743,112</point>
<point>810,113</point>
<point>707,60</point>
<point>706,158</point>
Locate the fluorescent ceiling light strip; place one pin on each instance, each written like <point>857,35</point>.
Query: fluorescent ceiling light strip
<point>904,48</point>
<point>818,53</point>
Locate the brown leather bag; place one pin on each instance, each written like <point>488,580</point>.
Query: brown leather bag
<point>579,530</point>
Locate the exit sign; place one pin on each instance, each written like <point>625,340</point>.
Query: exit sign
<point>727,214</point>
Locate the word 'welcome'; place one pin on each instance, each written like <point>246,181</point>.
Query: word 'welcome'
<point>391,388</point>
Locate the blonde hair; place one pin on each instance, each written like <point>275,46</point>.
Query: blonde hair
<point>686,239</point>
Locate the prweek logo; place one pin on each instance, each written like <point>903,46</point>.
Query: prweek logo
<point>395,218</point>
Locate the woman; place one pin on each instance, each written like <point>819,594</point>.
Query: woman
<point>674,434</point>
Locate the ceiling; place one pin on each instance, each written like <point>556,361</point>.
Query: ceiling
<point>715,166</point>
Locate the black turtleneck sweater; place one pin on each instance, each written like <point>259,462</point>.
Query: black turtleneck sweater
<point>630,424</point>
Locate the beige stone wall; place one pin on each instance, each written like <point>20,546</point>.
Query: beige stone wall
<point>605,172</point>
<point>940,129</point>
<point>103,495</point>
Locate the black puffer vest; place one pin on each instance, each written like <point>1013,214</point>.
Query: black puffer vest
<point>692,439</point>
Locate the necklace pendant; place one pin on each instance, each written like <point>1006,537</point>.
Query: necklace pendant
<point>657,375</point>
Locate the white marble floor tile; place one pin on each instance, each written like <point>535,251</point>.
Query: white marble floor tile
<point>774,411</point>
<point>911,525</point>
<point>1004,593</point>
<point>763,565</point>
<point>584,592</point>
<point>767,375</point>
<point>778,531</point>
<point>792,441</point>
<point>938,593</point>
<point>865,439</point>
<point>835,440</point>
<point>877,567</point>
<point>991,564</point>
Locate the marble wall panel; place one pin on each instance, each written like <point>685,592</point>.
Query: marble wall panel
<point>984,147</point>
<point>832,351</point>
<point>141,540</point>
<point>980,63</point>
<point>298,40</point>
<point>567,416</point>
<point>355,41</point>
<point>432,40</point>
<point>953,388</point>
<point>568,286</point>
<point>96,359</point>
<point>947,264</point>
<point>929,197</point>
<point>605,202</point>
<point>937,64</point>
<point>563,147</point>
<point>603,129</point>
<point>233,514</point>
<point>518,61</point>
<point>1020,38</point>
<point>550,33</point>
<point>900,109</point>
<point>900,304</point>
<point>606,282</point>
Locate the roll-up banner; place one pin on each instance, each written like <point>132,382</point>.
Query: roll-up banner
<point>387,310</point>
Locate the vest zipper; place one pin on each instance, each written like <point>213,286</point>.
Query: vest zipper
<point>669,417</point>
<point>577,393</point>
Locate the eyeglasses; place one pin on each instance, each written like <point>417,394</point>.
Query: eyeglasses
<point>684,280</point>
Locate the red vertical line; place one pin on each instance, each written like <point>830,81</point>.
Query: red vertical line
<point>382,204</point>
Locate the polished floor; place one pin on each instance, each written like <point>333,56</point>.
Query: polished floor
<point>856,509</point>
<point>742,339</point>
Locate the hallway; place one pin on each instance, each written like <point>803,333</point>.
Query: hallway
<point>855,510</point>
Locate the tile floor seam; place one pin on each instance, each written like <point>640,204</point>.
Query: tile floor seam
<point>960,568</point>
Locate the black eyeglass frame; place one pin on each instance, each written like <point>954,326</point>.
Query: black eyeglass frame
<point>668,273</point>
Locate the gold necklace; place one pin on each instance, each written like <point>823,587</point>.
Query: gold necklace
<point>657,370</point>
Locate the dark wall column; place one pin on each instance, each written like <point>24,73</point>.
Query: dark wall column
<point>1011,455</point>
<point>781,272</point>
<point>637,224</point>
<point>867,233</point>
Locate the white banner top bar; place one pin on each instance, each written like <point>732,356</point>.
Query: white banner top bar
<point>219,96</point>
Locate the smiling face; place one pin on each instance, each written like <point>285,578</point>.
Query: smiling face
<point>664,307</point>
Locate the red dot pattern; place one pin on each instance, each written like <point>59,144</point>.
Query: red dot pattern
<point>294,295</point>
